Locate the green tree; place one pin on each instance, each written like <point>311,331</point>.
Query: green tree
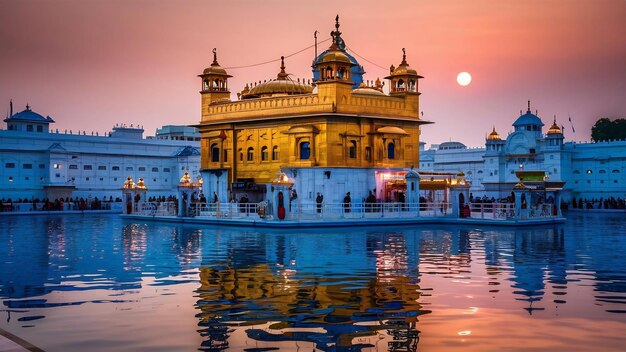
<point>605,130</point>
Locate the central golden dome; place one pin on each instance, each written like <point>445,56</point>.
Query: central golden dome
<point>282,85</point>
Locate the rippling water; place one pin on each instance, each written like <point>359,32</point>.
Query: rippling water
<point>99,283</point>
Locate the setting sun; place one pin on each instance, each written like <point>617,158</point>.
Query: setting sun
<point>464,79</point>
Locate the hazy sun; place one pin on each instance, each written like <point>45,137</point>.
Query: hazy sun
<point>464,79</point>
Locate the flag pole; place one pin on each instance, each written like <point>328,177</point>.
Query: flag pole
<point>572,125</point>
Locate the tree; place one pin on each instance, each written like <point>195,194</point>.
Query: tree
<point>605,130</point>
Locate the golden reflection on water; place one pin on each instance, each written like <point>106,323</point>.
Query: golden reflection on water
<point>324,313</point>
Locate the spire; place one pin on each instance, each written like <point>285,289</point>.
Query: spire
<point>554,129</point>
<point>338,43</point>
<point>11,107</point>
<point>215,58</point>
<point>282,75</point>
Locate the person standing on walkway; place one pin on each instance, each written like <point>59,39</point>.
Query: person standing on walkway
<point>347,203</point>
<point>319,200</point>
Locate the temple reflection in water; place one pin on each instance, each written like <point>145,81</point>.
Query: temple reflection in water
<point>363,288</point>
<point>343,289</point>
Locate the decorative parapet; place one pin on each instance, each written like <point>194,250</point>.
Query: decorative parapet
<point>384,106</point>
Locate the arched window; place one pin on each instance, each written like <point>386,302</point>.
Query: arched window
<point>329,73</point>
<point>205,84</point>
<point>215,153</point>
<point>352,150</point>
<point>400,85</point>
<point>412,85</point>
<point>264,155</point>
<point>240,154</point>
<point>275,152</point>
<point>342,74</point>
<point>305,151</point>
<point>250,154</point>
<point>391,151</point>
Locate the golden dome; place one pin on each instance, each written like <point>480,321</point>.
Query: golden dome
<point>555,129</point>
<point>186,179</point>
<point>215,68</point>
<point>494,136</point>
<point>404,69</point>
<point>335,56</point>
<point>363,89</point>
<point>129,183</point>
<point>141,184</point>
<point>282,85</point>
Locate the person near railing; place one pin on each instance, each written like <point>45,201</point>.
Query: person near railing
<point>347,203</point>
<point>319,200</point>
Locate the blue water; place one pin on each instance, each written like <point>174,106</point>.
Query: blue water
<point>99,283</point>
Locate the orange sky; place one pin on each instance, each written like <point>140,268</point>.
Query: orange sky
<point>90,64</point>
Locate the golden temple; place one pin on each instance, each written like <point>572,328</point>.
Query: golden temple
<point>327,123</point>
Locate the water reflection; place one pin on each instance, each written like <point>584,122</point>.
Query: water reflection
<point>349,289</point>
<point>303,299</point>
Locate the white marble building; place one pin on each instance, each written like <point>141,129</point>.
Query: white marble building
<point>38,162</point>
<point>589,170</point>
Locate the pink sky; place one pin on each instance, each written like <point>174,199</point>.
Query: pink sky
<point>91,64</point>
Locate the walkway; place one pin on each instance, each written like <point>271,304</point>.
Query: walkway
<point>12,343</point>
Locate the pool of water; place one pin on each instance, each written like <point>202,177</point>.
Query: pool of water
<point>100,283</point>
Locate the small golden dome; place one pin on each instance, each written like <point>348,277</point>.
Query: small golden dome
<point>282,85</point>
<point>364,89</point>
<point>186,179</point>
<point>494,136</point>
<point>555,129</point>
<point>129,183</point>
<point>335,56</point>
<point>215,68</point>
<point>404,69</point>
<point>141,184</point>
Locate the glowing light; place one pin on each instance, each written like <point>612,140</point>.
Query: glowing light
<point>464,79</point>
<point>464,332</point>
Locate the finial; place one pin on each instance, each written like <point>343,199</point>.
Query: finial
<point>528,105</point>
<point>555,119</point>
<point>282,75</point>
<point>336,34</point>
<point>215,58</point>
<point>403,56</point>
<point>27,106</point>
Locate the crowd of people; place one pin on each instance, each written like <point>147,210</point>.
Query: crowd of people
<point>68,203</point>
<point>161,199</point>
<point>602,203</point>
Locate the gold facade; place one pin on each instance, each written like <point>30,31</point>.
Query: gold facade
<point>294,127</point>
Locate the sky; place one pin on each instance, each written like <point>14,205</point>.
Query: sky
<point>92,64</point>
